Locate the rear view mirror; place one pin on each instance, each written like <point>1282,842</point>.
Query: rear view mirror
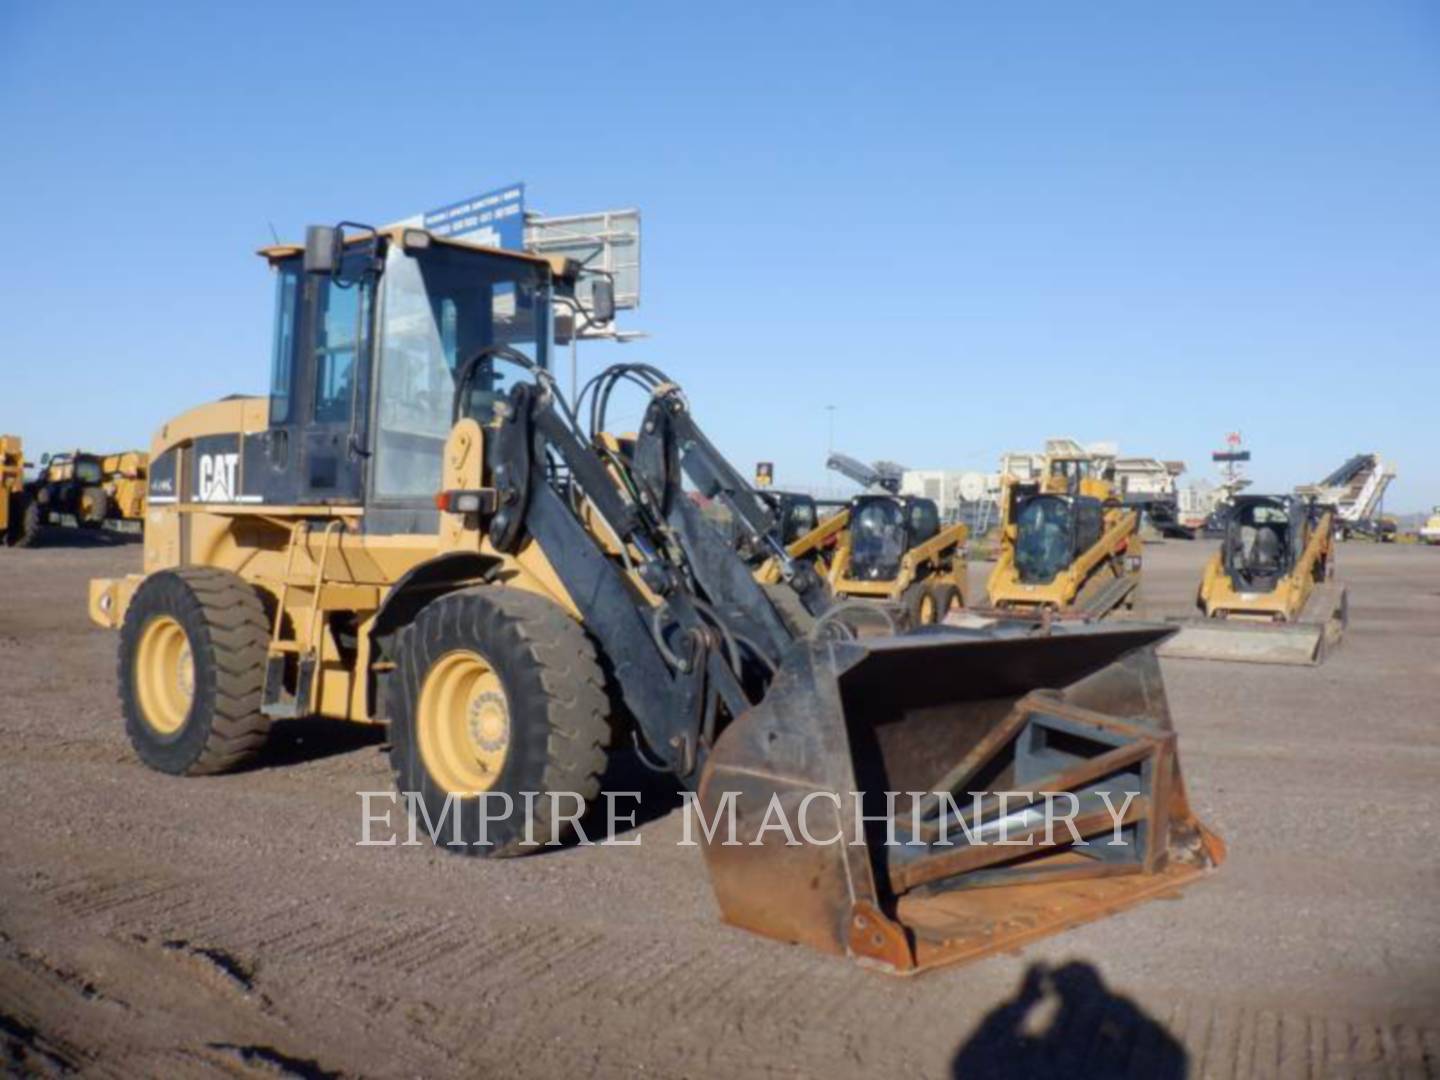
<point>322,249</point>
<point>602,301</point>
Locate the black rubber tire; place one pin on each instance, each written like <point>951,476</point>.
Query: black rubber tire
<point>99,507</point>
<point>944,593</point>
<point>787,605</point>
<point>912,599</point>
<point>224,620</point>
<point>31,525</point>
<point>560,716</point>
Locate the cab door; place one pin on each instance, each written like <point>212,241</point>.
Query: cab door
<point>332,446</point>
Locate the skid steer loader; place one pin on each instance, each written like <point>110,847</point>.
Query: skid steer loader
<point>887,547</point>
<point>1067,545</point>
<point>1268,596</point>
<point>417,529</point>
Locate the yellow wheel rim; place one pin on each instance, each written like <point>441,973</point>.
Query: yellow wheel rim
<point>164,674</point>
<point>463,723</point>
<point>927,609</point>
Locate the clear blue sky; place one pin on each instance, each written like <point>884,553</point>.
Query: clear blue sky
<point>967,227</point>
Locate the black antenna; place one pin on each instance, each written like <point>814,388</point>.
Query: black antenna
<point>273,233</point>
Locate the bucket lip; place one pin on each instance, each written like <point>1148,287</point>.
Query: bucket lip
<point>1140,634</point>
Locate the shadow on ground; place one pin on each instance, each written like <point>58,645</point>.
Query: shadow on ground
<point>294,742</point>
<point>60,536</point>
<point>1065,1022</point>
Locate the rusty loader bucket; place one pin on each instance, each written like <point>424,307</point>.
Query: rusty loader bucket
<point>979,732</point>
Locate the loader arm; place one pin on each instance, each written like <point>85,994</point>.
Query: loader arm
<point>1108,547</point>
<point>942,542</point>
<point>809,544</point>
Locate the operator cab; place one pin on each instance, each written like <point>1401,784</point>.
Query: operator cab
<point>375,334</point>
<point>883,529</point>
<point>1067,474</point>
<point>795,513</point>
<point>1264,536</point>
<point>1051,531</point>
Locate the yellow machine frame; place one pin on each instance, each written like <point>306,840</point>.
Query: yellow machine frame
<point>12,475</point>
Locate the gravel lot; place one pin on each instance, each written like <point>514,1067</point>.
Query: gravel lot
<point>230,926</point>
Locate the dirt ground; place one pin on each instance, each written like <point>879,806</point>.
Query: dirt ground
<point>176,927</point>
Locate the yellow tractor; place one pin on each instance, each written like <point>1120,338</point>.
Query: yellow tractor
<point>80,489</point>
<point>1268,595</point>
<point>1067,545</point>
<point>416,529</point>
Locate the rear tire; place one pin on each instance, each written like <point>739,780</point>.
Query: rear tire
<point>192,663</point>
<point>31,525</point>
<point>496,691</point>
<point>92,508</point>
<point>946,598</point>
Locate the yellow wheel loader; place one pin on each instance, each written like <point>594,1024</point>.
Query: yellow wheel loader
<point>80,490</point>
<point>1268,595</point>
<point>416,529</point>
<point>1067,546</point>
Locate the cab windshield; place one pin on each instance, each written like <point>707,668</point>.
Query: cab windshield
<point>1043,539</point>
<point>877,539</point>
<point>438,309</point>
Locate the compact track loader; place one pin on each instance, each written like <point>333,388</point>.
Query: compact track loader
<point>416,529</point>
<point>1268,595</point>
<point>1067,545</point>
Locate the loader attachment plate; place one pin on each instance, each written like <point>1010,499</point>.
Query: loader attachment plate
<point>895,799</point>
<point>1304,642</point>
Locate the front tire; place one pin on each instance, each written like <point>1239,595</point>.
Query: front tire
<point>192,662</point>
<point>497,693</point>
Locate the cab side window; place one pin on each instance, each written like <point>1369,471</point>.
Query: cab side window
<point>287,306</point>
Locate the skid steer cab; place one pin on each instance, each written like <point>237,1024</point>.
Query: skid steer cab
<point>416,528</point>
<point>1269,595</point>
<point>1067,547</point>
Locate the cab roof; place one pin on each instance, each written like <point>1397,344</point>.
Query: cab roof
<point>395,234</point>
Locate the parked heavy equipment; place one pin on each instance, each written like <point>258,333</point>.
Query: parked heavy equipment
<point>795,512</point>
<point>417,529</point>
<point>1067,545</point>
<point>1268,595</point>
<point>79,489</point>
<point>1430,531</point>
<point>884,546</point>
